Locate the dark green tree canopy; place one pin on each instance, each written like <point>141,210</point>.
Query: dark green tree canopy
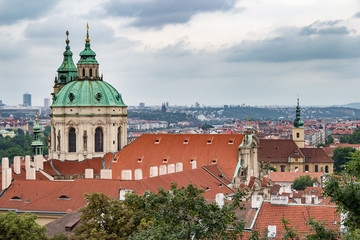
<point>302,182</point>
<point>181,213</point>
<point>341,156</point>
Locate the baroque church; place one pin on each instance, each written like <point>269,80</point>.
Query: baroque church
<point>88,115</point>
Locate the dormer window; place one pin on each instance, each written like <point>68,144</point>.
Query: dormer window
<point>157,141</point>
<point>186,141</point>
<point>165,160</point>
<point>209,141</point>
<point>15,198</point>
<point>140,159</point>
<point>63,197</point>
<point>213,161</point>
<point>231,141</point>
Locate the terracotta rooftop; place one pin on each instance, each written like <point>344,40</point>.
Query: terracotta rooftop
<point>164,149</point>
<point>297,215</point>
<point>278,150</point>
<point>290,176</point>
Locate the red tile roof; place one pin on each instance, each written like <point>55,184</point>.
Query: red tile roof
<point>290,176</point>
<point>278,150</point>
<point>152,149</point>
<point>296,214</point>
<point>68,196</point>
<point>316,155</point>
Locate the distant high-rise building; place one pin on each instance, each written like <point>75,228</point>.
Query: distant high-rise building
<point>142,105</point>
<point>197,105</point>
<point>46,102</point>
<point>27,100</point>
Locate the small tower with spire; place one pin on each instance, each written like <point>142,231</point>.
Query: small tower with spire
<point>88,66</point>
<point>298,128</point>
<point>37,145</point>
<point>67,71</point>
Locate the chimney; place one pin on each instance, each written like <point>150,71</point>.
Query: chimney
<point>162,170</point>
<point>154,171</point>
<point>30,174</point>
<point>272,231</point>
<point>279,200</point>
<point>256,201</point>
<point>171,168</point>
<point>126,175</point>
<point>39,162</point>
<point>193,164</point>
<point>106,174</point>
<point>6,178</point>
<point>219,198</point>
<point>27,162</point>
<point>308,199</point>
<point>89,173</point>
<point>5,163</point>
<point>179,167</point>
<point>17,164</point>
<point>138,174</point>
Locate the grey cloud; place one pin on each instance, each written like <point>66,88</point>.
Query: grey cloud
<point>323,28</point>
<point>357,15</point>
<point>295,46</point>
<point>14,10</point>
<point>157,13</point>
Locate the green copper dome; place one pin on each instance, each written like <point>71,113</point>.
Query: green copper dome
<point>88,93</point>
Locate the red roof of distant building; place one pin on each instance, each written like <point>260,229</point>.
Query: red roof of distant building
<point>290,176</point>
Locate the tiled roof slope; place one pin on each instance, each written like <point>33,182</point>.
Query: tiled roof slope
<point>316,155</point>
<point>297,215</point>
<point>151,150</point>
<point>278,150</point>
<point>290,176</point>
<point>68,196</point>
<point>76,167</point>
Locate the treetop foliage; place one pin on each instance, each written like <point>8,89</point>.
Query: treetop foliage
<point>302,182</point>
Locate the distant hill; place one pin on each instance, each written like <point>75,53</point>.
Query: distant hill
<point>352,105</point>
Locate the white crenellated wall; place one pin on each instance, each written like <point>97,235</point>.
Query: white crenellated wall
<point>138,174</point>
<point>106,174</point>
<point>6,178</point>
<point>89,173</point>
<point>17,165</point>
<point>126,175</point>
<point>162,170</point>
<point>154,171</point>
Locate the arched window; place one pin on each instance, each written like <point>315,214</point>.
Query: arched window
<point>83,72</point>
<point>72,140</point>
<point>99,140</point>
<point>119,139</point>
<point>282,168</point>
<point>90,72</point>
<point>326,169</point>
<point>297,135</point>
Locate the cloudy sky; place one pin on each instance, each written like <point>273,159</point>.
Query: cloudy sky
<point>215,52</point>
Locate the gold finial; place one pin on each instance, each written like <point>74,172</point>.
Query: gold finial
<point>87,33</point>
<point>36,116</point>
<point>248,122</point>
<point>67,37</point>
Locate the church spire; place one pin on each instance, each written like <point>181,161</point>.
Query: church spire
<point>67,71</point>
<point>298,122</point>
<point>37,144</point>
<point>88,66</point>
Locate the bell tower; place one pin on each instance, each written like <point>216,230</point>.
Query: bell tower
<point>67,71</point>
<point>298,128</point>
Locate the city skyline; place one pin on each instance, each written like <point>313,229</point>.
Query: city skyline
<point>214,53</point>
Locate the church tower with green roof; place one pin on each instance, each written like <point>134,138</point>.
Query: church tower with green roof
<point>298,128</point>
<point>88,115</point>
<point>67,72</point>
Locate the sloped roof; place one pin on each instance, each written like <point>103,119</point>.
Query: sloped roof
<point>297,215</point>
<point>316,155</point>
<point>68,196</point>
<point>290,176</point>
<point>278,150</point>
<point>164,149</point>
<point>75,167</point>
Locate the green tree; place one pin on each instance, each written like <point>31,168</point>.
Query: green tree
<point>344,190</point>
<point>341,156</point>
<point>181,213</point>
<point>302,182</point>
<point>289,231</point>
<point>256,235</point>
<point>354,138</point>
<point>321,231</point>
<point>21,227</point>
